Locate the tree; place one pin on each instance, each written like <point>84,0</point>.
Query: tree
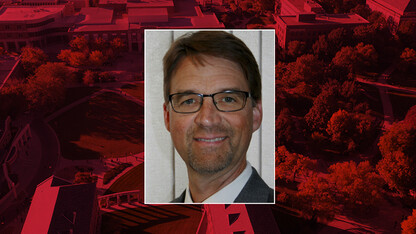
<point>320,47</point>
<point>377,21</point>
<point>364,33</point>
<point>407,33</point>
<point>117,45</point>
<point>97,58</point>
<point>99,44</point>
<point>409,225</point>
<point>362,9</point>
<point>366,56</point>
<point>65,56</point>
<point>357,58</point>
<point>341,129</point>
<point>398,147</point>
<point>84,177</point>
<point>408,61</point>
<point>351,130</point>
<point>337,38</point>
<point>400,137</point>
<point>296,48</point>
<point>45,90</point>
<point>411,115</point>
<point>307,68</point>
<point>284,127</point>
<point>90,77</point>
<point>316,199</point>
<point>346,58</point>
<point>399,171</point>
<point>78,59</point>
<point>58,71</point>
<point>79,43</point>
<point>357,186</point>
<point>32,58</point>
<point>289,165</point>
<point>324,105</point>
<point>44,93</point>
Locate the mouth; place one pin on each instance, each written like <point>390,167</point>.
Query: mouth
<point>210,140</point>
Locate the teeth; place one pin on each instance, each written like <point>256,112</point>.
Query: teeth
<point>211,140</point>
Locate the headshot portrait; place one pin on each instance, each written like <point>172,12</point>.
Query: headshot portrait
<point>209,116</point>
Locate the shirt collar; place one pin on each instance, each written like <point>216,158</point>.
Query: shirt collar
<point>229,193</point>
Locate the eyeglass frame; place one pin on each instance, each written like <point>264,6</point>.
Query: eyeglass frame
<point>247,95</point>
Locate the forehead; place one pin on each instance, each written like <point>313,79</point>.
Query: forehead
<point>213,74</point>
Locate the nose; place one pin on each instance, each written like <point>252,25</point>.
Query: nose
<point>208,115</point>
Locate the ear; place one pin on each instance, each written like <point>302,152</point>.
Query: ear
<point>257,115</point>
<point>166,115</point>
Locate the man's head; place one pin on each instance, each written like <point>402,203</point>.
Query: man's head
<point>211,131</point>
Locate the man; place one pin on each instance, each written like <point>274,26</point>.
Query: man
<point>212,92</point>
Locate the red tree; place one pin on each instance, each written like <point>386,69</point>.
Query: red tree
<point>409,225</point>
<point>356,186</point>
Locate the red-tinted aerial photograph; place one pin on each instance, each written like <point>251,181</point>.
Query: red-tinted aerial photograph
<point>72,116</point>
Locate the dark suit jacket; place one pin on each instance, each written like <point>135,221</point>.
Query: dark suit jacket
<point>255,191</point>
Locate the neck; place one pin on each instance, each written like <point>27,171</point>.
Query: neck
<point>203,186</point>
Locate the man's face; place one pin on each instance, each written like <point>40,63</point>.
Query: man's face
<point>210,141</point>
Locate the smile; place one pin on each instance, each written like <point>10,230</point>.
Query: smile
<point>210,139</point>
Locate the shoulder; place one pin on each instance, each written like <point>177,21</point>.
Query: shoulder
<point>255,191</point>
<point>180,199</point>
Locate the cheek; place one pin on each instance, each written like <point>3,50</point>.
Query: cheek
<point>179,127</point>
<point>242,125</point>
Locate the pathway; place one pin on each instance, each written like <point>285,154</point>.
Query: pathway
<point>383,87</point>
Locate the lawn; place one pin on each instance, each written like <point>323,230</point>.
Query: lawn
<point>153,219</point>
<point>74,94</point>
<point>106,126</point>
<point>401,103</point>
<point>132,180</point>
<point>136,90</point>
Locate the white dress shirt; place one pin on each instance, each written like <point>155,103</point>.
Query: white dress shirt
<point>229,193</point>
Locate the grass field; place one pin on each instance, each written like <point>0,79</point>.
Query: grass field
<point>106,126</point>
<point>401,103</point>
<point>136,90</point>
<point>132,180</point>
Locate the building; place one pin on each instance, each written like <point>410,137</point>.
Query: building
<point>151,14</point>
<point>126,19</point>
<point>308,27</point>
<point>394,11</point>
<point>294,7</point>
<point>61,207</point>
<point>206,3</point>
<point>33,25</point>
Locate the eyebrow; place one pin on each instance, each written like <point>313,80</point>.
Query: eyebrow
<point>221,90</point>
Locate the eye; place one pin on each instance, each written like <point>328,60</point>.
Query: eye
<point>228,99</point>
<point>189,101</point>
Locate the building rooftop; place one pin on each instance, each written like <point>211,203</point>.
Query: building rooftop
<point>24,13</point>
<point>321,19</point>
<point>149,3</point>
<point>58,205</point>
<point>117,25</point>
<point>143,15</point>
<point>300,5</point>
<point>45,1</point>
<point>103,2</point>
<point>95,15</point>
<point>400,6</point>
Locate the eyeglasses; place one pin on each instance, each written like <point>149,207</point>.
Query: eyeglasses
<point>226,101</point>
